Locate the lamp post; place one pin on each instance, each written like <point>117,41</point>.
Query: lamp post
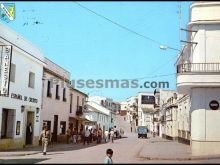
<point>164,47</point>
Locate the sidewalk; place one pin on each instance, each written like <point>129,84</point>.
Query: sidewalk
<point>38,149</point>
<point>158,148</point>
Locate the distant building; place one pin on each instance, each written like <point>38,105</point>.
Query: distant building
<point>146,101</point>
<point>124,109</point>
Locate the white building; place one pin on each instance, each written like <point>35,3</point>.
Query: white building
<point>170,128</point>
<point>23,104</point>
<point>56,101</point>
<point>183,117</point>
<point>124,109</point>
<point>99,115</point>
<point>146,101</point>
<point>163,97</point>
<point>198,76</point>
<point>108,104</point>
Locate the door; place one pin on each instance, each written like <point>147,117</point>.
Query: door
<point>55,126</point>
<point>30,128</point>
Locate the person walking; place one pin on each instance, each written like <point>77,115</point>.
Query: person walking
<point>99,136</point>
<point>45,137</point>
<point>74,136</point>
<point>106,135</point>
<point>109,154</point>
<point>112,136</point>
<point>68,135</point>
<point>87,135</point>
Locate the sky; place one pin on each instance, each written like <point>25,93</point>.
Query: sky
<point>91,47</point>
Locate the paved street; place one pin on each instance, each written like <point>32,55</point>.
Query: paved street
<point>126,150</point>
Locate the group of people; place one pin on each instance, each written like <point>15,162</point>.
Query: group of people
<point>84,136</point>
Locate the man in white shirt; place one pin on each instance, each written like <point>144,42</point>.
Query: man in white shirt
<point>87,134</point>
<point>106,135</point>
<point>112,136</point>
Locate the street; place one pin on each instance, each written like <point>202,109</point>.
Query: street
<point>129,149</point>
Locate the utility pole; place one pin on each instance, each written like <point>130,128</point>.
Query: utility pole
<point>180,23</point>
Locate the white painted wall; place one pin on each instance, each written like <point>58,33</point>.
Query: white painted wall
<point>25,63</point>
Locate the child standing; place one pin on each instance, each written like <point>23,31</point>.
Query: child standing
<point>108,159</point>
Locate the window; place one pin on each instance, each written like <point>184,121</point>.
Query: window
<point>57,92</point>
<point>31,80</point>
<point>71,101</point>
<point>64,94</point>
<point>77,102</point>
<point>83,101</point>
<point>49,89</point>
<point>12,73</point>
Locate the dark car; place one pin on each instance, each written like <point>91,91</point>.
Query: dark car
<point>142,131</point>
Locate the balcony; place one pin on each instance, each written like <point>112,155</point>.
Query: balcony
<point>79,111</point>
<point>193,75</point>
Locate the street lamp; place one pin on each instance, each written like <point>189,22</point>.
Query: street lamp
<point>164,47</point>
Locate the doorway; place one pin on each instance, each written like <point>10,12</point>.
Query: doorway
<point>29,128</point>
<point>7,125</point>
<point>55,126</point>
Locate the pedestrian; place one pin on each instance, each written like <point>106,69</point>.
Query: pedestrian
<point>90,135</point>
<point>106,135</point>
<point>29,132</point>
<point>99,136</point>
<point>74,136</point>
<point>86,137</point>
<point>45,138</point>
<point>68,135</point>
<point>109,154</point>
<point>112,136</point>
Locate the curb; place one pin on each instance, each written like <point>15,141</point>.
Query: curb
<point>23,154</point>
<point>181,159</point>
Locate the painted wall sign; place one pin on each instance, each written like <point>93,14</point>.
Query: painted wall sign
<point>214,105</point>
<point>25,98</point>
<point>5,69</point>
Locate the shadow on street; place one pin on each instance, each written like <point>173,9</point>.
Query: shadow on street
<point>20,161</point>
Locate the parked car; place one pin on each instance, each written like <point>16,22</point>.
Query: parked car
<point>142,131</point>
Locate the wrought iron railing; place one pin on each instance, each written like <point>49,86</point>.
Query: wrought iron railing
<point>198,67</point>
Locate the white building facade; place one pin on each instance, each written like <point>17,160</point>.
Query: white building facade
<point>198,76</point>
<point>146,101</point>
<point>99,115</point>
<point>23,104</point>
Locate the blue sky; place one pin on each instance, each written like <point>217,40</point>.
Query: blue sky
<point>90,47</point>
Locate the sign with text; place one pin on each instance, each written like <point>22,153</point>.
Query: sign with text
<point>5,69</point>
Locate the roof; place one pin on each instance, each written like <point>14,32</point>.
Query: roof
<point>74,89</point>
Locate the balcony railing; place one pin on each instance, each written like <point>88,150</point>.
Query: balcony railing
<point>198,67</point>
